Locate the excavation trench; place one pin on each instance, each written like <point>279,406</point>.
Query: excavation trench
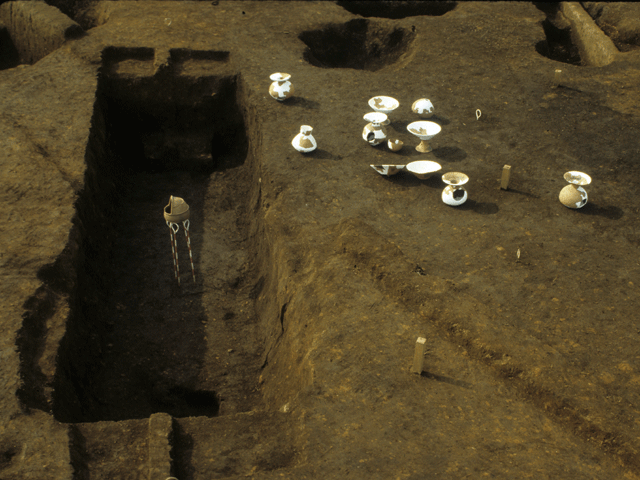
<point>136,341</point>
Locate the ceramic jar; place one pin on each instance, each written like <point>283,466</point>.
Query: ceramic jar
<point>375,132</point>
<point>176,211</point>
<point>454,194</point>
<point>281,88</point>
<point>304,141</point>
<point>423,107</point>
<point>573,195</point>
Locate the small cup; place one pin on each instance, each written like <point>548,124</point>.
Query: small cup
<point>394,144</point>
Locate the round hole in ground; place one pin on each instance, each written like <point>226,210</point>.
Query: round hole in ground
<point>558,44</point>
<point>359,44</point>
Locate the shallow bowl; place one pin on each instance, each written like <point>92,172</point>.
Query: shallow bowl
<point>577,178</point>
<point>424,129</point>
<point>279,77</point>
<point>377,117</point>
<point>383,104</point>
<point>423,169</point>
<point>455,178</point>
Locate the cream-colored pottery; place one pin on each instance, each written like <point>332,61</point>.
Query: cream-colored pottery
<point>304,141</point>
<point>383,104</point>
<point>423,107</point>
<point>177,211</point>
<point>395,145</point>
<point>375,132</point>
<point>424,130</point>
<point>281,88</point>
<point>423,169</point>
<point>387,170</point>
<point>454,194</point>
<point>573,195</point>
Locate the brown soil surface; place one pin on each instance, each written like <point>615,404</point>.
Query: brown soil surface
<point>290,354</point>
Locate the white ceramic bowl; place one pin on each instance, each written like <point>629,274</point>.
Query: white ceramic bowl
<point>383,104</point>
<point>455,178</point>
<point>423,169</point>
<point>376,117</point>
<point>279,77</point>
<point>424,130</point>
<point>423,107</point>
<point>577,178</point>
<point>388,169</point>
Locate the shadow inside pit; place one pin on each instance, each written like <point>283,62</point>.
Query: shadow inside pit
<point>183,452</point>
<point>359,44</point>
<point>558,44</point>
<point>612,213</point>
<point>135,340</point>
<point>445,379</point>
<point>397,9</point>
<point>9,55</point>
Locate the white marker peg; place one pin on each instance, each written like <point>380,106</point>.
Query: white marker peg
<point>478,114</point>
<point>506,174</point>
<point>418,356</point>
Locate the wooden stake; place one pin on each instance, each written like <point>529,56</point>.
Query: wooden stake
<point>506,173</point>
<point>418,356</point>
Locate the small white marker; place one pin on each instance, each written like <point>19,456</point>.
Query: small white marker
<point>418,355</point>
<point>518,254</point>
<point>478,114</point>
<point>506,174</point>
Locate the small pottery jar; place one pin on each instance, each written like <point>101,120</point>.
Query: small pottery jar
<point>394,144</point>
<point>281,88</point>
<point>454,194</point>
<point>375,132</point>
<point>573,195</point>
<point>176,210</point>
<point>423,107</point>
<point>304,141</point>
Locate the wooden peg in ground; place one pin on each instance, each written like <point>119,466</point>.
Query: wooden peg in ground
<point>506,173</point>
<point>418,356</point>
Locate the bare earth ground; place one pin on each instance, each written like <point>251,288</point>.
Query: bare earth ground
<point>290,354</point>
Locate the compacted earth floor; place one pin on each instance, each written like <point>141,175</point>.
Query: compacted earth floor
<point>287,351</point>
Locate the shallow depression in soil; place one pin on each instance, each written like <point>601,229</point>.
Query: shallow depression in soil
<point>138,343</point>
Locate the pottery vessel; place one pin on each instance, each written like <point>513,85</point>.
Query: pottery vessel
<point>176,210</point>
<point>423,107</point>
<point>383,104</point>
<point>375,132</point>
<point>387,170</point>
<point>395,145</point>
<point>423,169</point>
<point>454,194</point>
<point>304,141</point>
<point>573,195</point>
<point>281,88</point>
<point>424,131</point>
